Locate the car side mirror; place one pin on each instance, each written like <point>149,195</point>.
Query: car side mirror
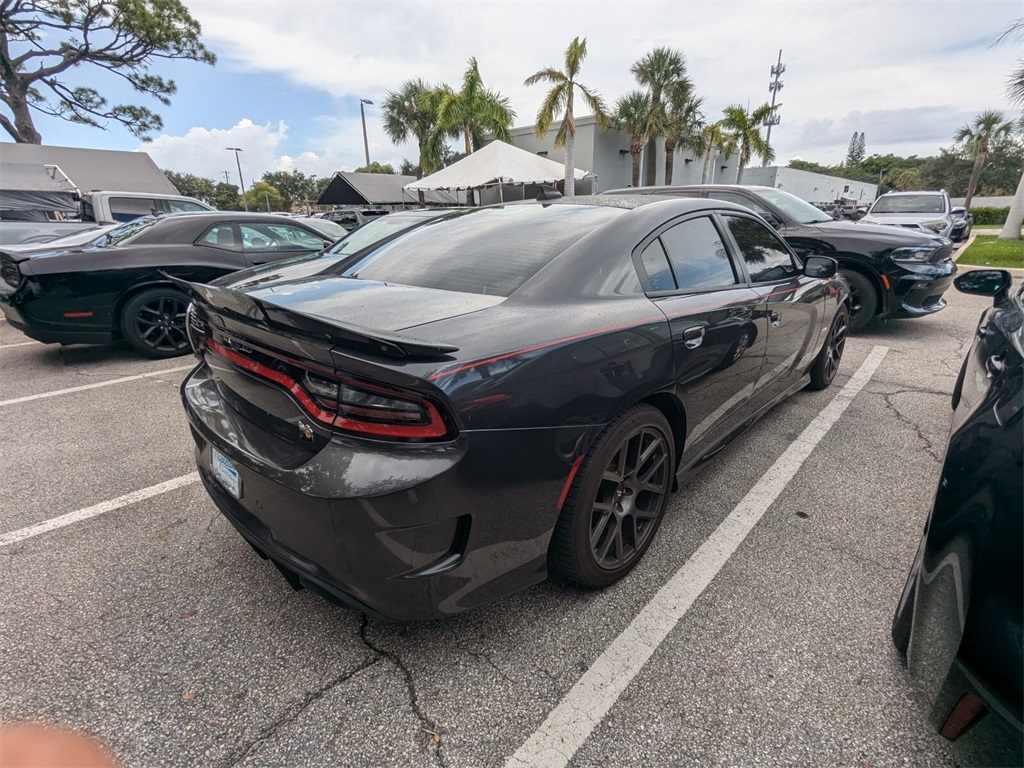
<point>821,266</point>
<point>986,282</point>
<point>770,218</point>
<point>959,212</point>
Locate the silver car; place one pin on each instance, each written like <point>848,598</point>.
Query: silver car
<point>929,212</point>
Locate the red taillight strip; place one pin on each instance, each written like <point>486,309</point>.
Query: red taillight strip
<point>435,428</point>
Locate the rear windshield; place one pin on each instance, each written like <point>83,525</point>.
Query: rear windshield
<point>490,251</point>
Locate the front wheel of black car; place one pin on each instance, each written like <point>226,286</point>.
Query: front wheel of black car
<point>616,500</point>
<point>863,300</point>
<point>826,364</point>
<point>153,322</point>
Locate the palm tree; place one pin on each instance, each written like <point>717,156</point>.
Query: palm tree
<point>406,116</point>
<point>745,128</point>
<point>975,137</point>
<point>1015,90</point>
<point>657,71</point>
<point>715,137</point>
<point>684,122</point>
<point>634,114</point>
<point>560,97</point>
<point>471,112</point>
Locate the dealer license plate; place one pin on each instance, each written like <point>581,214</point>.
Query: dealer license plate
<point>225,472</point>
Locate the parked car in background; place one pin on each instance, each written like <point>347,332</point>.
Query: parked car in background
<point>959,621</point>
<point>116,286</point>
<point>96,209</point>
<point>350,218</point>
<point>928,212</point>
<point>892,273</point>
<point>498,393</point>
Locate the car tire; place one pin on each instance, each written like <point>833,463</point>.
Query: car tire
<point>153,323</point>
<point>617,498</point>
<point>826,364</point>
<point>863,300</point>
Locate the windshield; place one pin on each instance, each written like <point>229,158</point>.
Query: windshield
<point>793,206</point>
<point>909,204</point>
<point>120,234</point>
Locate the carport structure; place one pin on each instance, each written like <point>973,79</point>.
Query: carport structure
<point>380,190</point>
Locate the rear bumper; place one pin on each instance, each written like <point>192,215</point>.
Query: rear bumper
<point>403,532</point>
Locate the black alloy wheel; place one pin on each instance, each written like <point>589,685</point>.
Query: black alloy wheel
<point>616,500</point>
<point>826,364</point>
<point>863,300</point>
<point>153,322</point>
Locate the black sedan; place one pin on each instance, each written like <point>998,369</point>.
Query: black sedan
<point>960,620</point>
<point>892,273</point>
<point>498,394</point>
<point>116,285</point>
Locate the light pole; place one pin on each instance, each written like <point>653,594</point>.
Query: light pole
<point>241,181</point>
<point>366,145</point>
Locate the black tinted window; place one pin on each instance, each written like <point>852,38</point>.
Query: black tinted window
<point>491,251</point>
<point>659,273</point>
<point>766,257</point>
<point>698,255</point>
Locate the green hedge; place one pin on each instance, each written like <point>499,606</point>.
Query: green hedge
<point>989,216</point>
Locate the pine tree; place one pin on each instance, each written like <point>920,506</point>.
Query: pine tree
<point>855,152</point>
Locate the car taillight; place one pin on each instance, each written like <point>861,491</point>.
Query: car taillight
<point>354,406</point>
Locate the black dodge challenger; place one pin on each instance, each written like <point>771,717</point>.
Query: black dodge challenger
<point>435,422</point>
<point>116,286</point>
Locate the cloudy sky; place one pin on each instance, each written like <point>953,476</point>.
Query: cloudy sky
<point>290,73</point>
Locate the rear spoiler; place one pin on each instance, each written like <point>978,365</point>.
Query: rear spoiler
<point>246,307</point>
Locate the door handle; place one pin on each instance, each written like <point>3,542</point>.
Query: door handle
<point>775,317</point>
<point>693,337</point>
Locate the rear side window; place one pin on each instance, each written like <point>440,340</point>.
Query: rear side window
<point>490,251</point>
<point>128,208</point>
<point>766,257</point>
<point>221,236</point>
<point>185,206</point>
<point>698,255</point>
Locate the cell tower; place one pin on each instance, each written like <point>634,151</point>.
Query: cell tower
<point>774,86</point>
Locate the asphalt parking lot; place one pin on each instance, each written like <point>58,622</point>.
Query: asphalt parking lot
<point>144,619</point>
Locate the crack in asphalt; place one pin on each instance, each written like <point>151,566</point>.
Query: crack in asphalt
<point>427,725</point>
<point>486,657</point>
<point>293,713</point>
<point>912,424</point>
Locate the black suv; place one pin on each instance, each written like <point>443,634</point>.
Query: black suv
<point>892,272</point>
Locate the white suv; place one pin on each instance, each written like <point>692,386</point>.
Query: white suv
<point>929,212</point>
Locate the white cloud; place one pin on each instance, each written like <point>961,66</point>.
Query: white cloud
<point>906,74</point>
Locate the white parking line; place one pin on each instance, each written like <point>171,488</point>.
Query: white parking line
<point>97,509</point>
<point>570,723</point>
<point>154,374</point>
<point>19,344</point>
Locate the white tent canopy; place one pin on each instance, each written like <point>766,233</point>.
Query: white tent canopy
<point>496,163</point>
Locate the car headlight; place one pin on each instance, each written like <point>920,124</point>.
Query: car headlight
<point>910,253</point>
<point>935,226</point>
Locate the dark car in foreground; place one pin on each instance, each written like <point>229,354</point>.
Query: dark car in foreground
<point>116,285</point>
<point>429,424</point>
<point>959,621</point>
<point>892,272</point>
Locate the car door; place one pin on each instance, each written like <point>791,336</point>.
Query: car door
<point>263,242</point>
<point>792,303</point>
<point>718,339</point>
